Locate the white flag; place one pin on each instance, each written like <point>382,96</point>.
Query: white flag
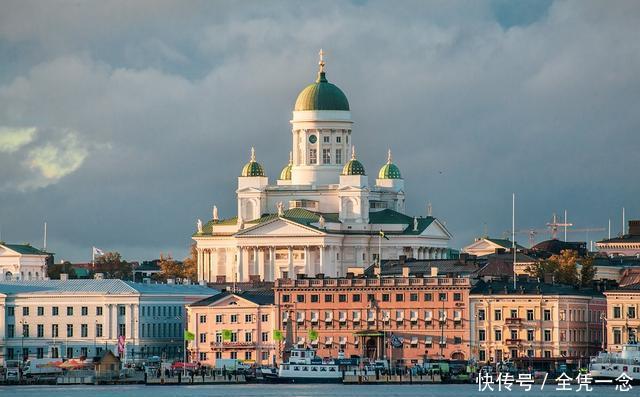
<point>97,252</point>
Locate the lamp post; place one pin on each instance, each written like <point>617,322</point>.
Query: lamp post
<point>23,323</point>
<point>603,320</point>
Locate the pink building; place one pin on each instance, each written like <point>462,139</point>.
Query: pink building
<point>403,319</point>
<point>233,325</point>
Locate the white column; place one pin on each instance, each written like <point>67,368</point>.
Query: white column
<point>307,262</point>
<point>262,264</point>
<point>215,259</point>
<point>290,268</point>
<point>272,263</point>
<point>239,265</point>
<point>254,265</point>
<point>321,249</point>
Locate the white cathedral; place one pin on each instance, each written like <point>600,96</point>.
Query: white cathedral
<point>321,216</point>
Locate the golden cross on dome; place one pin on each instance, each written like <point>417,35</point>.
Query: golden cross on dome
<point>353,152</point>
<point>321,62</point>
<point>389,156</point>
<point>253,154</point>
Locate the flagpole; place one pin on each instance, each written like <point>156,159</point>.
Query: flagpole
<point>513,237</point>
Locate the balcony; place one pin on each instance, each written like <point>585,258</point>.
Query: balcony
<point>513,341</point>
<point>513,321</point>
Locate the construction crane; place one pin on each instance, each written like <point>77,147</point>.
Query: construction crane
<point>552,229</point>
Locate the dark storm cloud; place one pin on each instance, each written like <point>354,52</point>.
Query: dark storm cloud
<point>143,113</point>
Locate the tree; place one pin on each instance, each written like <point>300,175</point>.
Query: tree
<point>54,270</point>
<point>169,267</point>
<point>587,271</point>
<point>562,267</point>
<point>190,264</point>
<point>112,265</point>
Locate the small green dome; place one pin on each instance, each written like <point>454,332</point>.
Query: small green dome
<point>353,167</point>
<point>321,95</point>
<point>285,174</point>
<point>252,168</point>
<point>389,170</point>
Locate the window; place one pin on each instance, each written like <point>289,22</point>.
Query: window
<point>54,330</point>
<point>84,330</point>
<point>514,313</point>
<point>11,331</point>
<point>40,352</point>
<point>413,297</point>
<point>25,311</point>
<point>203,356</point>
<point>11,311</point>
<point>514,334</point>
<point>218,318</point>
<point>69,310</point>
<point>326,156</point>
<point>315,298</point>
<point>328,298</point>
<point>457,296</point>
<point>442,296</point>
<point>617,312</point>
<point>218,337</point>
<point>631,312</point>
<point>497,314</point>
<point>338,139</point>
<point>371,297</point>
<point>69,330</point>
<point>234,318</point>
<point>264,318</point>
<point>482,355</point>
<point>338,155</point>
<point>248,318</point>
<point>482,335</point>
<point>99,311</point>
<point>203,337</point>
<point>286,298</point>
<point>234,337</point>
<point>233,355</point>
<point>386,298</point>
<point>547,335</point>
<point>313,156</point>
<point>530,315</point>
<point>264,337</point>
<point>84,310</point>
<point>265,356</point>
<point>399,297</point>
<point>122,330</point>
<point>248,336</point>
<point>530,353</point>
<point>40,311</point>
<point>247,355</point>
<point>40,330</point>
<point>481,315</point>
<point>218,355</point>
<point>530,334</point>
<point>617,337</point>
<point>342,297</point>
<point>123,310</point>
<point>99,330</point>
<point>498,335</point>
<point>356,297</point>
<point>547,354</point>
<point>300,298</point>
<point>457,340</point>
<point>203,319</point>
<point>326,139</point>
<point>547,315</point>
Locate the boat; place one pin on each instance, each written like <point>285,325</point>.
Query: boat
<point>611,366</point>
<point>303,366</point>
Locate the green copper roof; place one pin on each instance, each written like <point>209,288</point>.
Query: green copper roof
<point>285,174</point>
<point>25,249</point>
<point>321,95</point>
<point>353,167</point>
<point>389,171</point>
<point>252,168</point>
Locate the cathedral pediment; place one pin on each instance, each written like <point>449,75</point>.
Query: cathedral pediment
<point>436,230</point>
<point>280,228</point>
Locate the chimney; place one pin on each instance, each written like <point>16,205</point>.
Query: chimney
<point>405,271</point>
<point>634,228</point>
<point>402,260</point>
<point>202,283</point>
<point>64,277</point>
<point>434,271</point>
<point>98,276</point>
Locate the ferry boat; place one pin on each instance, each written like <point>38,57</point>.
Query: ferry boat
<point>303,366</point>
<point>612,365</point>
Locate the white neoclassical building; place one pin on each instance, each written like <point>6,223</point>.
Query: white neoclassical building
<point>83,318</point>
<point>23,262</point>
<point>322,215</point>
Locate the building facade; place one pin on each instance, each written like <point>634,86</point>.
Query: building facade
<point>626,245</point>
<point>23,262</point>
<point>535,320</point>
<point>401,319</point>
<point>322,215</point>
<point>233,325</point>
<point>623,322</point>
<point>83,318</point>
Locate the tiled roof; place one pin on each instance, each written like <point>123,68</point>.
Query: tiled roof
<point>257,297</point>
<point>25,249</point>
<point>504,243</point>
<point>529,288</point>
<point>627,238</point>
<point>445,266</point>
<point>107,286</point>
<point>629,287</point>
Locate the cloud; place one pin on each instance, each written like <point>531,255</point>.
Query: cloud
<point>12,139</point>
<point>54,161</point>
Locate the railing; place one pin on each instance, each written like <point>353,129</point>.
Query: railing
<point>513,321</point>
<point>372,282</point>
<point>513,341</point>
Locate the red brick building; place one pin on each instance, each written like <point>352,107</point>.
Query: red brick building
<point>403,319</point>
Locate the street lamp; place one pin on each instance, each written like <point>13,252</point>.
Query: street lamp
<point>23,323</point>
<point>603,319</point>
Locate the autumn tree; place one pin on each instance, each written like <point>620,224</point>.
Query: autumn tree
<point>169,268</point>
<point>112,265</point>
<point>54,270</point>
<point>563,268</point>
<point>587,271</point>
<point>190,264</point>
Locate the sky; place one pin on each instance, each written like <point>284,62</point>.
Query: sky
<point>122,123</point>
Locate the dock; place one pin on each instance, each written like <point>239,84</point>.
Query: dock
<point>379,379</point>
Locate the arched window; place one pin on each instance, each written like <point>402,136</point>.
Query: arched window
<point>8,276</point>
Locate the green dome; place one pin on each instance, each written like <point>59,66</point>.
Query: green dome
<point>353,167</point>
<point>252,168</point>
<point>389,170</point>
<point>321,95</point>
<point>285,174</point>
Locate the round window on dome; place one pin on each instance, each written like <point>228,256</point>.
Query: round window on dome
<point>313,138</point>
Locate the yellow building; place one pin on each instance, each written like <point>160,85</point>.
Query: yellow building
<point>537,321</point>
<point>233,325</point>
<point>622,320</point>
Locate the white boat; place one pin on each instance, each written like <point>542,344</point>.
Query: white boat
<point>613,365</point>
<point>304,366</point>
